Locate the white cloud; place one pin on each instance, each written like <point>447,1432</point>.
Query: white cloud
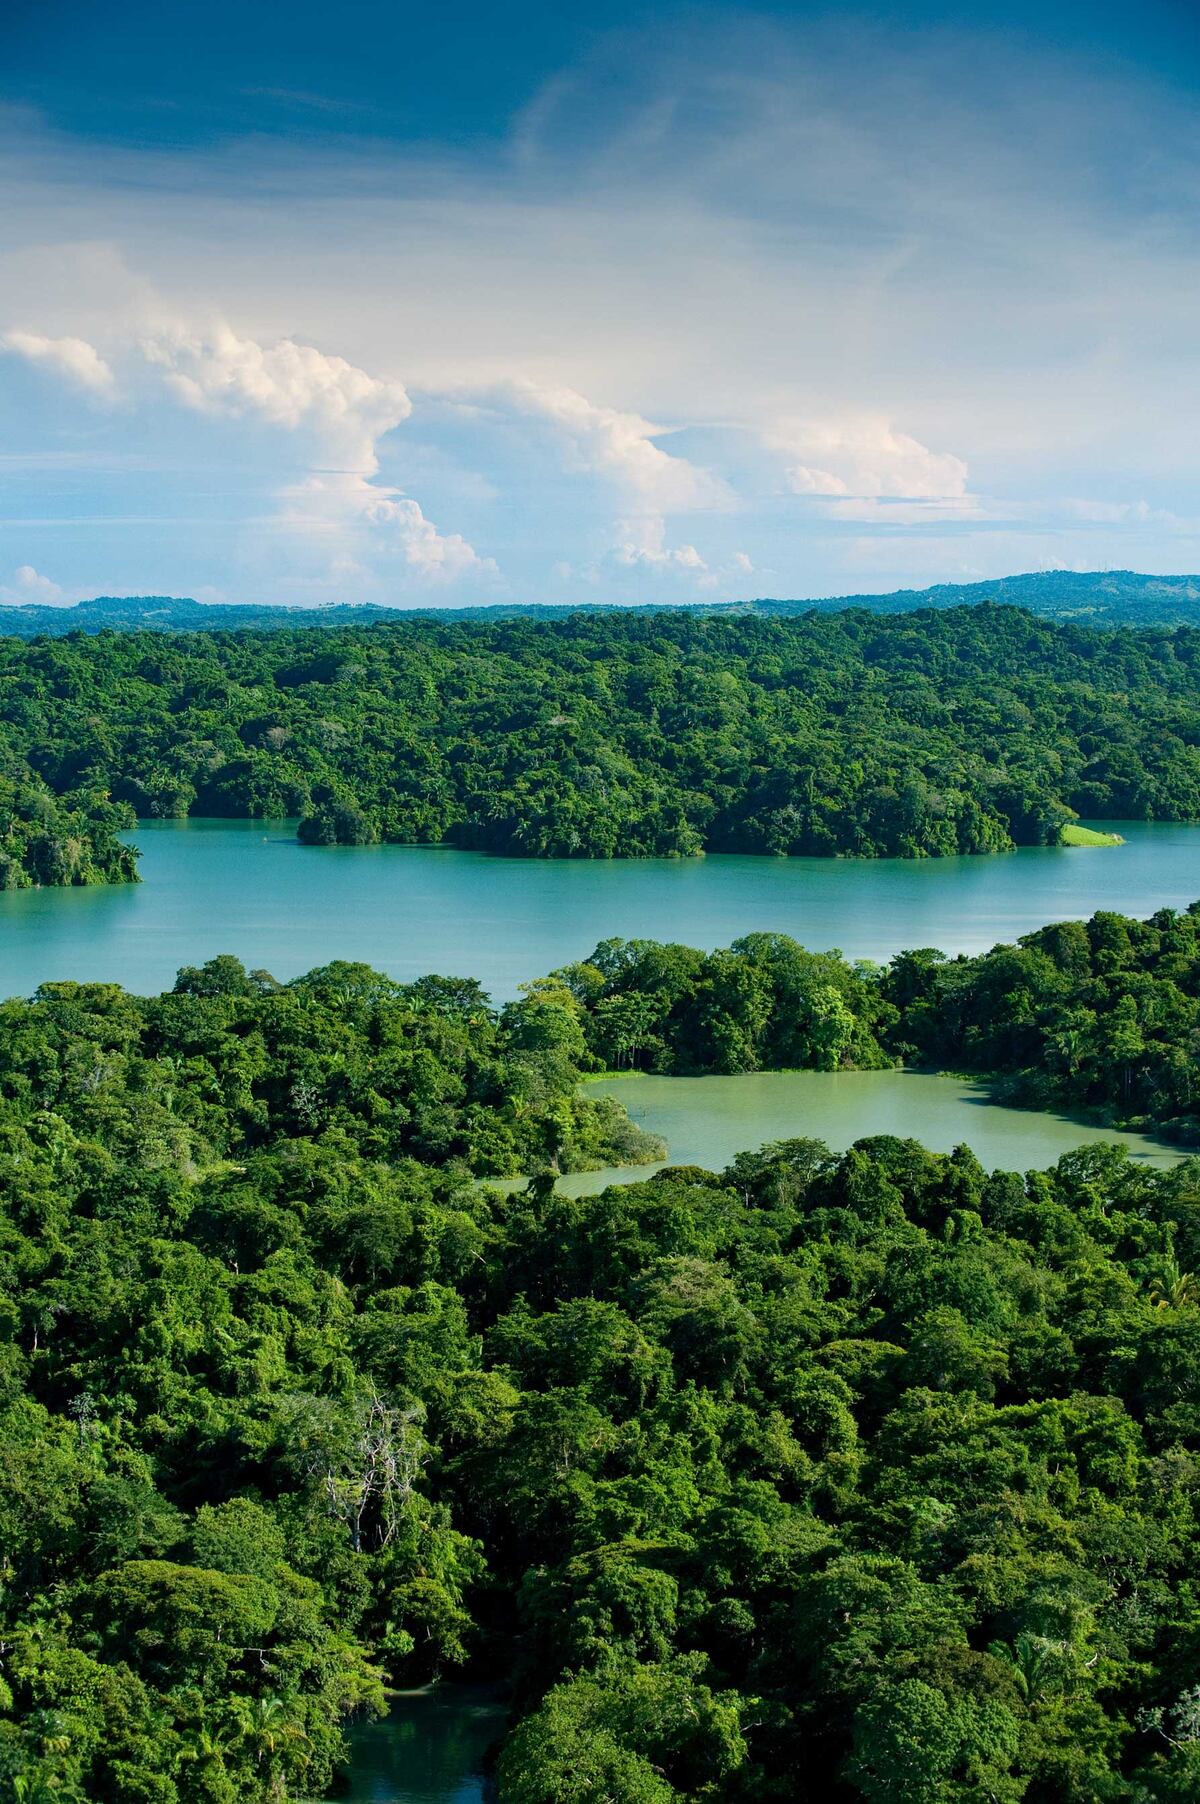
<point>1110,513</point>
<point>338,413</point>
<point>866,459</point>
<point>343,412</point>
<point>621,446</point>
<point>327,506</point>
<point>434,555</point>
<point>286,384</point>
<point>643,542</point>
<point>29,585</point>
<point>722,228</point>
<point>74,358</point>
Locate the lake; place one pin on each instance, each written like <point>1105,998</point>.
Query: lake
<point>249,888</point>
<point>429,1749</point>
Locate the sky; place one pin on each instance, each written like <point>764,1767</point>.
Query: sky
<point>625,303</point>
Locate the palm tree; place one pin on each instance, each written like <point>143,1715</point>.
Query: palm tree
<point>1173,1288</point>
<point>39,1787</point>
<point>267,1727</point>
<point>1037,1664</point>
<point>206,1747</point>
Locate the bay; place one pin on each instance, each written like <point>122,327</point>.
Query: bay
<point>248,887</point>
<point>430,1747</point>
<point>709,1120</point>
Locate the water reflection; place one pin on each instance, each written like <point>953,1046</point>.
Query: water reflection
<point>431,1748</point>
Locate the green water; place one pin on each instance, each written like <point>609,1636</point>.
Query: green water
<point>248,888</point>
<point>429,1749</point>
<point>708,1120</point>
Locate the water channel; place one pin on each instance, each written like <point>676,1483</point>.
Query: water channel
<point>430,1748</point>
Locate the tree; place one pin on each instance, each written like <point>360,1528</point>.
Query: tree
<point>1173,1288</point>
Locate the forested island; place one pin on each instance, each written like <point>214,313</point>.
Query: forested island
<point>604,735</point>
<point>872,1477</point>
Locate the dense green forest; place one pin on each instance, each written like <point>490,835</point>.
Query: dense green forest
<point>871,1478</point>
<point>611,735</point>
<point>59,839</point>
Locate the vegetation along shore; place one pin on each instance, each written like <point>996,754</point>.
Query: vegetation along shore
<point>603,735</point>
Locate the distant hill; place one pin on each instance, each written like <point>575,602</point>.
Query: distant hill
<point>172,614</point>
<point>1092,598</point>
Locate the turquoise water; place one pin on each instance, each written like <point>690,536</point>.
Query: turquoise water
<point>429,1749</point>
<point>248,888</point>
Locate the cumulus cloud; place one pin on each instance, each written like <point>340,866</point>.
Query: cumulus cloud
<point>434,555</point>
<point>343,411</point>
<point>29,585</point>
<point>326,506</point>
<point>620,446</point>
<point>73,358</point>
<point>287,384</point>
<point>335,412</point>
<point>724,227</point>
<point>643,542</point>
<point>866,459</point>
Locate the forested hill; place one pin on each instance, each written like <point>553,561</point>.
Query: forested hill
<point>627,735</point>
<point>1095,598</point>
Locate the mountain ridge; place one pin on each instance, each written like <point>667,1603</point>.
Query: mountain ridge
<point>1090,598</point>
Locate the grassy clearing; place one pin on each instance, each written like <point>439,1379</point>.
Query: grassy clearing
<point>1074,835</point>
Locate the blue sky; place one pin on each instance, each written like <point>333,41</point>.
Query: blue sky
<point>430,306</point>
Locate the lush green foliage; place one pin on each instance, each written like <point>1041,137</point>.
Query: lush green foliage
<point>228,1062</point>
<point>209,1505</point>
<point>869,1478</point>
<point>610,735</point>
<point>48,839</point>
<point>763,1004</point>
<point>1101,1016</point>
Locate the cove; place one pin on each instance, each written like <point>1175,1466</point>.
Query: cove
<point>709,1120</point>
<point>248,887</point>
<point>429,1748</point>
